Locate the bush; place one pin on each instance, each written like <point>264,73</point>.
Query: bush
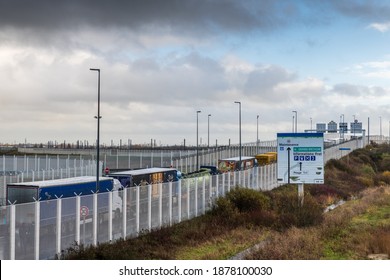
<point>247,200</point>
<point>224,208</point>
<point>291,213</point>
<point>367,171</point>
<point>384,178</point>
<point>338,165</point>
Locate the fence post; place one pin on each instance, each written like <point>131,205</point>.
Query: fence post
<point>77,232</point>
<point>229,183</point>
<point>179,200</point>
<point>160,204</point>
<point>110,216</point>
<point>137,210</point>
<point>37,221</point>
<point>149,207</point>
<point>124,212</point>
<point>216,187</point>
<point>58,226</point>
<point>204,196</point>
<point>188,198</point>
<point>170,203</point>
<point>95,219</point>
<point>12,232</point>
<point>196,196</point>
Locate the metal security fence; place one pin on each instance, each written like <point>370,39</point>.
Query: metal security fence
<point>27,168</point>
<point>45,229</point>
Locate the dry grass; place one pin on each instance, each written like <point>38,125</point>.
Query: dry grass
<point>352,231</point>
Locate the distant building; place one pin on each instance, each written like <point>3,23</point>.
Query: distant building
<point>332,127</point>
<point>356,127</point>
<point>343,126</point>
<point>321,127</point>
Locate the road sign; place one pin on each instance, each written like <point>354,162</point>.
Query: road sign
<point>84,211</point>
<point>300,158</point>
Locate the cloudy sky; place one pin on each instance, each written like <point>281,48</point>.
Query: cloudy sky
<point>161,61</point>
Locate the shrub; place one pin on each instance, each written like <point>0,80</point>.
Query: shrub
<point>367,171</point>
<point>338,165</point>
<point>247,200</point>
<point>384,178</point>
<point>224,208</point>
<point>291,213</point>
<point>367,182</point>
<point>385,163</point>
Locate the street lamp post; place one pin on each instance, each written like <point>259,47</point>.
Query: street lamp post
<point>239,103</point>
<point>208,130</point>
<point>311,125</point>
<point>197,140</point>
<point>296,121</point>
<point>257,135</point>
<point>98,117</point>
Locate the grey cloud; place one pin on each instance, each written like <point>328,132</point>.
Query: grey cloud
<point>261,82</point>
<point>368,9</point>
<point>175,80</point>
<point>177,15</point>
<point>358,90</point>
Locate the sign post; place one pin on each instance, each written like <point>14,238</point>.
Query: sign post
<point>300,159</point>
<point>84,211</point>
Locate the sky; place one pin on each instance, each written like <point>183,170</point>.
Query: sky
<point>162,61</point>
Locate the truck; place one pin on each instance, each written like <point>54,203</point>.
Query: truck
<point>25,192</point>
<point>48,192</point>
<point>233,163</point>
<point>266,158</point>
<point>146,176</point>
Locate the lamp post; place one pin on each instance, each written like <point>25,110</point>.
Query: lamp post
<point>208,130</point>
<point>380,128</point>
<point>293,121</point>
<point>257,135</point>
<point>197,140</point>
<point>239,103</point>
<point>311,124</point>
<point>296,121</point>
<point>98,117</point>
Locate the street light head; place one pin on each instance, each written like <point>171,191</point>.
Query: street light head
<point>94,69</point>
<point>238,102</point>
<point>209,115</point>
<point>198,111</point>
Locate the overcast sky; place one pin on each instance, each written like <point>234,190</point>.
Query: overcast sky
<point>161,61</point>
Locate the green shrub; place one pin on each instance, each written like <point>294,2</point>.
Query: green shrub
<point>224,208</point>
<point>367,171</point>
<point>247,200</point>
